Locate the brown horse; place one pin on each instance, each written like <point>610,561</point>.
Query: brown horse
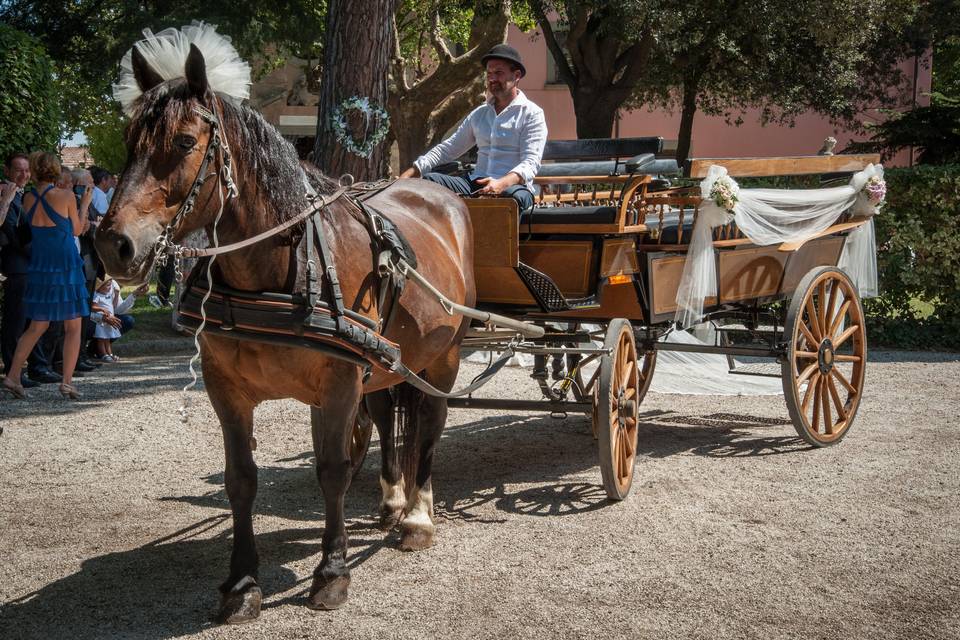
<point>167,140</point>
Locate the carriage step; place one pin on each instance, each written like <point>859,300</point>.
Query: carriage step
<point>548,295</point>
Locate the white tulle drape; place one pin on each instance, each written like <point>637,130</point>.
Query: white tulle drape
<point>167,52</point>
<point>774,216</point>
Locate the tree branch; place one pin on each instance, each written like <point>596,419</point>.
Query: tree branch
<point>443,52</point>
<point>560,59</point>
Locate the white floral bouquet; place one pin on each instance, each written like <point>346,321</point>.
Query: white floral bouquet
<point>372,112</point>
<point>725,192</point>
<point>876,190</point>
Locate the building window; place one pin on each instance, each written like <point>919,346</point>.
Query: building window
<point>553,73</point>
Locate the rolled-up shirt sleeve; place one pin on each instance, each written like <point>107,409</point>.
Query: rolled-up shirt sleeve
<point>450,149</point>
<point>535,138</point>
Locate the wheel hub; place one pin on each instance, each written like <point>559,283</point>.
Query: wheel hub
<point>625,408</point>
<point>825,356</point>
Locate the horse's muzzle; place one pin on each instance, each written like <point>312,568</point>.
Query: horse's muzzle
<point>117,251</point>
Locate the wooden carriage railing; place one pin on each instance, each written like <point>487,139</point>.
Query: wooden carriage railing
<point>684,202</point>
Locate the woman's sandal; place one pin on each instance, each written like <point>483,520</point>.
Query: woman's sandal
<point>14,389</point>
<point>70,392</point>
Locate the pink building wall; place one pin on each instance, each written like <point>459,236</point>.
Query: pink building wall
<point>712,137</point>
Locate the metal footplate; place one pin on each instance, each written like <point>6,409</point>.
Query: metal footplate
<point>545,291</point>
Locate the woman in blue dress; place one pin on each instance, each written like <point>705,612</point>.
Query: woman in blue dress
<point>56,290</point>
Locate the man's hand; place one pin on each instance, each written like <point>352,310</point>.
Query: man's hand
<point>142,289</point>
<point>7,191</point>
<point>495,186</point>
<point>412,172</point>
<point>112,320</point>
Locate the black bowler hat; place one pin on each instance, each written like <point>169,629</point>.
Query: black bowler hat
<point>505,52</point>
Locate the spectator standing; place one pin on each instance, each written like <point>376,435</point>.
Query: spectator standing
<point>83,182</point>
<point>101,184</point>
<point>55,285</point>
<point>15,249</point>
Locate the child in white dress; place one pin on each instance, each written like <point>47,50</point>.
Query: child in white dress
<point>104,299</point>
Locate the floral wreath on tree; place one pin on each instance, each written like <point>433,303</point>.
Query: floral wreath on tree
<point>363,148</point>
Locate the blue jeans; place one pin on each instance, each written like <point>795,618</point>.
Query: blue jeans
<point>465,186</point>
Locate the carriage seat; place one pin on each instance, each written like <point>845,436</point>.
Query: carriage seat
<point>569,215</point>
<point>668,233</point>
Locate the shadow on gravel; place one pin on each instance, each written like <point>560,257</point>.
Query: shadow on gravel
<point>164,589</point>
<point>125,379</point>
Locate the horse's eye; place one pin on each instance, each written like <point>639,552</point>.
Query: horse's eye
<point>187,143</point>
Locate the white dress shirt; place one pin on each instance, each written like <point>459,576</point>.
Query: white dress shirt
<point>99,201</point>
<point>509,141</point>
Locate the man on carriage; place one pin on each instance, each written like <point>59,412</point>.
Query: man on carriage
<point>509,131</point>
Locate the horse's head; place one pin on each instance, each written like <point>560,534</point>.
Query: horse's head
<point>171,150</point>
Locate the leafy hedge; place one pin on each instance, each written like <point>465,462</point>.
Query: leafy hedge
<point>918,257</point>
<point>29,105</point>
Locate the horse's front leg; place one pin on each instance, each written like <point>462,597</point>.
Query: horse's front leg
<point>241,596</point>
<point>332,423</point>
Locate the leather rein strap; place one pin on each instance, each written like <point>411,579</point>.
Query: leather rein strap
<point>314,207</point>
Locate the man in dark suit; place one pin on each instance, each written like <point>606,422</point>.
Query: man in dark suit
<point>14,259</point>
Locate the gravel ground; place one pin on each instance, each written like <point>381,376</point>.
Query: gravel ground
<point>114,523</point>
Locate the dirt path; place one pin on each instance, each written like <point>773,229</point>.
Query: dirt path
<point>114,523</point>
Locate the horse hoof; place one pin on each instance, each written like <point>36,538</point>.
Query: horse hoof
<point>416,536</point>
<point>390,518</point>
<point>326,596</point>
<point>240,607</point>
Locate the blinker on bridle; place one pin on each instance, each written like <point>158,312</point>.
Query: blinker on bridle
<point>165,247</point>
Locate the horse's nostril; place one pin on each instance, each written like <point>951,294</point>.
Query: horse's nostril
<point>123,247</point>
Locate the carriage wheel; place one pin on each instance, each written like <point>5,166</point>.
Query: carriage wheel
<point>823,370</point>
<point>360,439</point>
<point>618,398</point>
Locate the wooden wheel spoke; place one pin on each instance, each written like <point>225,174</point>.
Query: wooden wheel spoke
<point>841,357</point>
<point>809,355</point>
<point>825,406</point>
<point>811,341</point>
<point>626,374</point>
<point>630,422</point>
<point>822,311</point>
<point>831,306</point>
<point>837,403</point>
<point>807,373</point>
<point>839,376</point>
<point>811,385</point>
<point>814,323</point>
<point>843,337</point>
<point>816,405</point>
<point>630,393</point>
<point>838,320</point>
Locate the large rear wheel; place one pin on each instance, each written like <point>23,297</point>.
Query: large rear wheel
<point>826,359</point>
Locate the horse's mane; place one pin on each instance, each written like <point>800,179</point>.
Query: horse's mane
<point>259,152</point>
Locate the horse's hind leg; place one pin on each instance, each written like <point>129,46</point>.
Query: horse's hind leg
<point>240,595</point>
<point>331,427</point>
<point>417,528</point>
<point>380,408</point>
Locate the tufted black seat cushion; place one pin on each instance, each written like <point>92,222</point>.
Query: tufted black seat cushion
<point>570,215</point>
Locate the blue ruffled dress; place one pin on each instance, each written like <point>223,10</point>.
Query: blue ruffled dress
<point>56,289</point>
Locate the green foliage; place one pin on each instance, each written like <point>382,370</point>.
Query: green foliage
<point>934,131</point>
<point>918,242</point>
<point>29,111</point>
<point>89,37</point>
<point>105,141</point>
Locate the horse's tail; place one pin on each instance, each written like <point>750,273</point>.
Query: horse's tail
<point>406,425</point>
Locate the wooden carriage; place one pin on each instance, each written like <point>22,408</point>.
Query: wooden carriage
<point>606,243</point>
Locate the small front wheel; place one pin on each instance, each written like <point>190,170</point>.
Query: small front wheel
<point>616,409</point>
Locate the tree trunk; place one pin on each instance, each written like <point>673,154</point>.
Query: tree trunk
<point>685,134</point>
<point>359,41</point>
<point>595,113</point>
<point>434,104</point>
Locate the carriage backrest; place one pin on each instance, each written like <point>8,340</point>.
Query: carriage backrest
<point>782,165</point>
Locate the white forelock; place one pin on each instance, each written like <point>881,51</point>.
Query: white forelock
<point>167,51</point>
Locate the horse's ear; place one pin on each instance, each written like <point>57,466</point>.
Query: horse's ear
<point>143,73</point>
<point>196,71</point>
